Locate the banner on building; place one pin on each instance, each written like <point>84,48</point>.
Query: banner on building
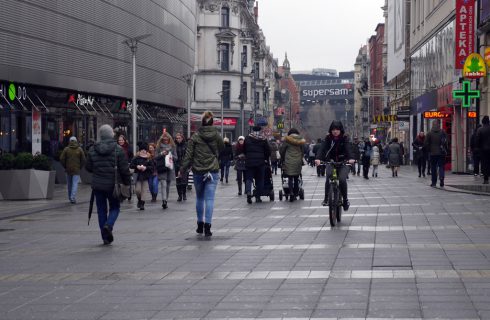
<point>396,38</point>
<point>385,118</point>
<point>465,31</point>
<point>36,132</point>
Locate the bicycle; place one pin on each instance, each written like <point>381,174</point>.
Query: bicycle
<point>335,200</point>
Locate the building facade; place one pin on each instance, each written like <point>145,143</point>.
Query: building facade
<point>361,87</point>
<point>484,38</point>
<point>66,70</point>
<point>234,67</point>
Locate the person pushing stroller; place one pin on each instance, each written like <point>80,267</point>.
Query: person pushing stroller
<point>292,153</point>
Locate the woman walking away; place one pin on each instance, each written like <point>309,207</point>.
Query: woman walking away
<point>274,155</point>
<point>240,163</point>
<point>225,158</point>
<point>165,146</point>
<point>101,161</point>
<point>181,183</point>
<point>202,154</point>
<point>394,157</point>
<point>420,153</point>
<point>292,153</point>
<point>375,159</point>
<point>153,181</point>
<point>143,167</point>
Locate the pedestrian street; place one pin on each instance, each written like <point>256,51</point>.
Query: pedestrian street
<point>403,250</point>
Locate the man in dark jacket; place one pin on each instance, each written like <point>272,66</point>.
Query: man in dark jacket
<point>225,158</point>
<point>483,143</point>
<point>356,155</point>
<point>101,161</point>
<point>336,147</point>
<point>73,159</point>
<point>257,152</point>
<point>436,145</point>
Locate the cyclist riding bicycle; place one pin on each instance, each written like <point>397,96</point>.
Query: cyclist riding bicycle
<point>336,147</point>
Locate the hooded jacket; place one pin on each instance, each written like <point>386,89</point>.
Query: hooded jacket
<point>433,141</point>
<point>73,158</point>
<point>292,154</point>
<point>203,150</point>
<point>101,161</point>
<point>335,148</point>
<point>483,138</point>
<point>257,150</point>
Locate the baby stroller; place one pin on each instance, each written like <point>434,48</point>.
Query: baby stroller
<point>285,192</point>
<point>320,170</point>
<point>268,190</point>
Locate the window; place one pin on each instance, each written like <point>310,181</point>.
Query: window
<point>226,87</point>
<point>257,70</point>
<point>225,17</point>
<point>245,56</point>
<point>225,56</point>
<point>256,100</point>
<point>245,91</point>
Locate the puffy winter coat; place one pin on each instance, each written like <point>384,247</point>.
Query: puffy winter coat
<point>257,150</point>
<point>203,150</point>
<point>292,154</point>
<point>483,138</point>
<point>73,158</point>
<point>143,161</point>
<point>375,156</point>
<point>101,161</point>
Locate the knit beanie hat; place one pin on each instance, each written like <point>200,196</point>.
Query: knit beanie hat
<point>257,128</point>
<point>106,132</point>
<point>73,139</point>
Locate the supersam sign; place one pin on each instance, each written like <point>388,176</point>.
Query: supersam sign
<point>465,31</point>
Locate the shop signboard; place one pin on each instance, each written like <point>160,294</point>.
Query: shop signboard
<point>436,115</point>
<point>472,114</point>
<point>485,11</point>
<point>466,94</point>
<point>226,122</point>
<point>425,102</point>
<point>487,56</point>
<point>36,132</point>
<point>474,67</point>
<point>465,31</point>
<point>323,92</point>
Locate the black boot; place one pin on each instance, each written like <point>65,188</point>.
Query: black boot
<point>153,197</point>
<point>142,206</point>
<point>184,196</point>
<point>164,204</point>
<point>138,205</point>
<point>200,226</point>
<point>179,192</point>
<point>239,189</point>
<point>207,230</point>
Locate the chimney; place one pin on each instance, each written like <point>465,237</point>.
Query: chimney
<point>256,12</point>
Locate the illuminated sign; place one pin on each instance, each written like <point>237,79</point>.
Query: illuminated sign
<point>466,94</point>
<point>13,92</point>
<point>472,114</point>
<point>226,122</point>
<point>465,31</point>
<point>436,115</point>
<point>474,67</point>
<point>385,118</point>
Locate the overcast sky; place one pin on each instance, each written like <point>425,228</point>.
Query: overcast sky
<point>319,33</point>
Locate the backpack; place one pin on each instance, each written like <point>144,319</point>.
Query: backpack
<point>444,144</point>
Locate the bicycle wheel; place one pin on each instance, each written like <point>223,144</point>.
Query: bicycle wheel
<point>332,205</point>
<point>339,209</point>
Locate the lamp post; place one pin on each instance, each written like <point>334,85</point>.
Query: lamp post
<point>242,111</point>
<point>188,81</point>
<point>132,43</point>
<point>221,93</point>
<point>347,109</point>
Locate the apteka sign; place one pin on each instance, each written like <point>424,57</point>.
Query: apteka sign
<point>465,31</point>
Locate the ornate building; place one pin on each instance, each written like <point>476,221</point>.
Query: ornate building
<point>234,67</point>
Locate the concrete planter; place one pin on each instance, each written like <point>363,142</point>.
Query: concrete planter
<point>28,184</point>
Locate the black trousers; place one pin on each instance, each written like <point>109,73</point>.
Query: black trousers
<point>421,163</point>
<point>293,184</point>
<point>485,164</point>
<point>342,174</point>
<point>476,163</point>
<point>366,162</point>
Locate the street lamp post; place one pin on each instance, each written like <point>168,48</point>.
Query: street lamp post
<point>221,96</point>
<point>242,111</point>
<point>132,43</point>
<point>188,81</point>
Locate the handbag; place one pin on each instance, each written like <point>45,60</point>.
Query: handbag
<point>169,161</point>
<point>121,191</point>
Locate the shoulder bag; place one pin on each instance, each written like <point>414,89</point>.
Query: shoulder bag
<point>121,191</point>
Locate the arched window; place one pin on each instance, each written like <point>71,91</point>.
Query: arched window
<point>225,17</point>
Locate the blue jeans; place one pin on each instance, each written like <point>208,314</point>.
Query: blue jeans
<point>225,169</point>
<point>153,184</point>
<point>257,174</point>
<point>106,217</point>
<point>205,191</point>
<point>72,182</point>
<point>437,165</point>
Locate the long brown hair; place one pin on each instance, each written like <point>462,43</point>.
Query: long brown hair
<point>170,140</point>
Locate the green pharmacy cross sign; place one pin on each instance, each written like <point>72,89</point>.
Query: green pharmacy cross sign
<point>466,94</point>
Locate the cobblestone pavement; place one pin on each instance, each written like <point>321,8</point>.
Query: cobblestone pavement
<point>403,250</point>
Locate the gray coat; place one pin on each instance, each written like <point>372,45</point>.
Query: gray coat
<point>395,154</point>
<point>168,174</point>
